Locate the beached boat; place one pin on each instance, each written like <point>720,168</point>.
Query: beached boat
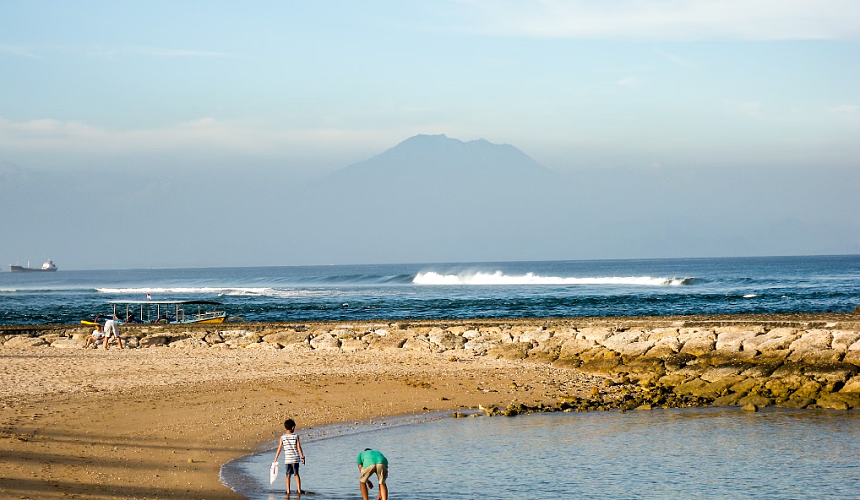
<point>163,311</point>
<point>46,267</point>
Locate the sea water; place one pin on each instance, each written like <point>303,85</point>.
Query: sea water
<point>701,453</point>
<point>471,290</point>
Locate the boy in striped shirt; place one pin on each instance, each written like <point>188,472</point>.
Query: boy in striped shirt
<point>292,453</point>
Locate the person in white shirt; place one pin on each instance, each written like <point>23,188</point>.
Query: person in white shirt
<point>112,332</point>
<point>95,337</point>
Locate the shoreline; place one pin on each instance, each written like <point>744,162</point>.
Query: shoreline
<point>159,422</point>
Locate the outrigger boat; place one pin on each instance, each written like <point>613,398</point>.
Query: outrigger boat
<point>162,311</point>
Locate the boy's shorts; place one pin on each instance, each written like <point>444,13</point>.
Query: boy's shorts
<point>380,470</point>
<point>291,469</point>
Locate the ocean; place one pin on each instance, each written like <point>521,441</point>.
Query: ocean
<point>454,290</point>
<point>698,453</point>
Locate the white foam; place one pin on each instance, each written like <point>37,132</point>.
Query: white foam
<point>233,291</point>
<point>498,278</point>
<point>750,296</point>
<point>8,290</point>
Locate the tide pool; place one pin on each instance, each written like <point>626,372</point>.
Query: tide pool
<point>698,453</point>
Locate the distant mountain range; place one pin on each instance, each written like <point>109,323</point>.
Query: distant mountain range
<point>443,160</point>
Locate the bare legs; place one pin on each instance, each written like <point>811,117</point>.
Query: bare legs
<point>298,484</point>
<point>383,491</point>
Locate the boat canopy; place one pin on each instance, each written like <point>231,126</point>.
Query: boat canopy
<point>171,302</point>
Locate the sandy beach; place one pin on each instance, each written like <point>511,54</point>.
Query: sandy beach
<point>159,422</point>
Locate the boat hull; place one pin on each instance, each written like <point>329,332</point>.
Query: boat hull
<point>22,269</point>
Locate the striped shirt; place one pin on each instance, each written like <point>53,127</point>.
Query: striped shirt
<point>291,450</point>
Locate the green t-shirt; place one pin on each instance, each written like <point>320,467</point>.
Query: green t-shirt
<point>371,457</point>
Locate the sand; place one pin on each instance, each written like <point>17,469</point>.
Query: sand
<point>159,423</point>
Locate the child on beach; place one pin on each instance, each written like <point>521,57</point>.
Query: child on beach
<point>292,453</point>
<point>95,337</point>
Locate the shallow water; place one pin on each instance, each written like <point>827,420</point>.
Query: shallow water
<point>701,453</point>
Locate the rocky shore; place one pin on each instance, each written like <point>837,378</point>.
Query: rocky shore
<point>790,361</point>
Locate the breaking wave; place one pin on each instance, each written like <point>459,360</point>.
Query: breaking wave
<point>497,278</point>
<point>221,291</point>
<point>8,290</point>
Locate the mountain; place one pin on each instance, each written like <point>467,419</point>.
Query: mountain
<point>439,159</point>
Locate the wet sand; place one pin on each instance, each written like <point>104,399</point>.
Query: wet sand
<point>159,423</point>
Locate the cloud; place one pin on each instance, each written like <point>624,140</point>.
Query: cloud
<point>158,52</point>
<point>18,50</point>
<point>628,81</point>
<point>665,20</point>
<point>204,134</point>
<point>676,59</point>
<point>846,109</point>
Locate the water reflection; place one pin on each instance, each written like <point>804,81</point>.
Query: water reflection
<point>679,454</point>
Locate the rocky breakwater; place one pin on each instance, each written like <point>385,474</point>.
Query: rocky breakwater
<point>791,361</point>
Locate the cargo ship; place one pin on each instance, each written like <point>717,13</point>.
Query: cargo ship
<point>46,267</point>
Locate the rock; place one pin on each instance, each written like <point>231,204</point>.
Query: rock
<point>852,385</point>
<point>262,345</point>
<point>739,329</point>
<point>513,350</point>
<point>671,380</point>
<point>727,400</point>
<point>698,346</point>
<point>723,385</point>
<point>296,347</point>
<point>696,385</point>
<point>471,334</point>
<point>755,399</point>
<point>733,340</point>
<point>213,338</point>
<point>831,403</point>
<point>481,344</point>
<point>796,403</point>
<point>659,334</point>
<point>831,372</point>
<point>636,349</point>
<point>664,347</point>
<point>20,341</point>
<point>189,343</point>
<point>843,339</point>
<point>750,407</point>
<point>153,341</point>
<point>594,334</point>
<point>574,347</point>
<point>719,372</point>
<point>535,336</point>
<point>839,401</point>
<point>599,361</point>
<point>69,343</point>
<point>389,342</point>
<point>244,340</point>
<point>809,390</point>
<point>815,356</point>
<point>645,407</point>
<point>852,356</point>
<point>652,366</point>
<point>759,370</point>
<point>446,340</point>
<point>778,338</point>
<point>326,341</point>
<point>417,344</point>
<point>353,345</point>
<point>457,330</point>
<point>745,386</point>
<point>812,340</point>
<point>621,339</point>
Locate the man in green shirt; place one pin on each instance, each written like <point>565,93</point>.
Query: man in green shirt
<point>372,462</point>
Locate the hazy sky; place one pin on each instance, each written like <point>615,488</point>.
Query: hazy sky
<point>323,84</point>
<point>298,89</point>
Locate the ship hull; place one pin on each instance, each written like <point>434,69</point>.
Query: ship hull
<point>22,269</point>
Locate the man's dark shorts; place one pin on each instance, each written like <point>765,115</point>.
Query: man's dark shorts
<point>291,469</point>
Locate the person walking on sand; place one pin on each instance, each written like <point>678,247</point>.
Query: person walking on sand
<point>112,331</point>
<point>372,462</point>
<point>292,453</point>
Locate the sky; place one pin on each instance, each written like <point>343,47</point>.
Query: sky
<point>285,92</point>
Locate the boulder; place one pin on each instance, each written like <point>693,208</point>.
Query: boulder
<point>795,403</point>
<point>747,385</point>
<point>264,346</point>
<point>471,334</point>
<point>696,387</point>
<point>831,372</point>
<point>843,339</point>
<point>724,385</point>
<point>326,341</point>
<point>153,341</point>
<point>392,341</point>
<point>513,350</point>
<point>809,390</point>
<point>739,329</point>
<point>621,339</point>
<point>727,400</point>
<point>243,340</point>
<point>671,380</point>
<point>603,363</point>
<point>663,333</point>
<point>812,340</point>
<point>573,347</point>
<point>417,344</point>
<point>664,347</point>
<point>535,336</point>
<point>839,401</point>
<point>285,337</point>
<point>853,385</point>
<point>755,399</point>
<point>636,349</point>
<point>481,344</point>
<point>457,330</point>
<point>353,345</point>
<point>595,334</point>
<point>778,338</point>
<point>446,340</point>
<point>852,356</point>
<point>719,372</point>
<point>20,341</point>
<point>698,346</point>
<point>733,340</point>
<point>213,338</point>
<point>814,356</point>
<point>65,343</point>
<point>189,343</point>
